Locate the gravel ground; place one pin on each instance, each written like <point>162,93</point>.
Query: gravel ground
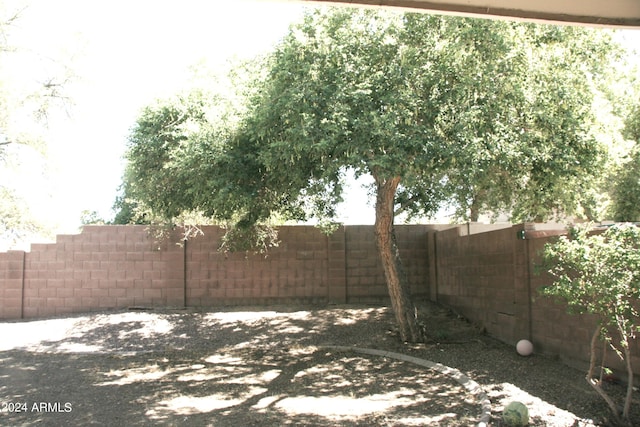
<point>271,367</point>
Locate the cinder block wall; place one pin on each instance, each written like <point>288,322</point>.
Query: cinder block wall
<point>123,266</point>
<point>364,273</point>
<point>490,278</point>
<point>476,276</point>
<point>12,280</point>
<point>295,270</point>
<point>307,265</point>
<point>104,267</point>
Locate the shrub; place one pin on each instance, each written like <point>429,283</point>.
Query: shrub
<point>599,274</point>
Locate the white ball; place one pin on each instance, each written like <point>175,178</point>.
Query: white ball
<point>524,348</point>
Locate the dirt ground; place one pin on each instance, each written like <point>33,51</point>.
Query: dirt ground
<point>257,366</point>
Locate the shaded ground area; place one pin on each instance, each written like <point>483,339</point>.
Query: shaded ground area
<point>265,367</point>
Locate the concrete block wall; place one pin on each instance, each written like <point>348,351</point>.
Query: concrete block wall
<point>413,245</point>
<point>476,276</point>
<point>362,269</point>
<point>364,273</point>
<point>104,267</point>
<point>12,280</point>
<point>490,278</point>
<point>295,270</point>
<point>307,265</point>
<point>122,266</point>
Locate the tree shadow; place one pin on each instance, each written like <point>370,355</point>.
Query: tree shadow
<point>238,367</point>
<point>134,332</point>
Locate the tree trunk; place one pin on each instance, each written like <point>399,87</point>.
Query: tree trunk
<point>397,281</point>
<point>626,351</point>
<point>479,196</point>
<point>596,385</point>
<point>474,209</point>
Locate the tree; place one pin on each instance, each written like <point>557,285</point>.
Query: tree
<point>422,103</point>
<point>599,274</point>
<point>16,221</point>
<point>177,169</point>
<point>434,108</point>
<point>88,217</point>
<point>25,104</point>
<point>626,195</point>
<point>528,139</point>
<point>632,124</point>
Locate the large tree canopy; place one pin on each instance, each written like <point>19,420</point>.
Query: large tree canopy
<point>626,196</point>
<point>485,115</point>
<point>481,115</point>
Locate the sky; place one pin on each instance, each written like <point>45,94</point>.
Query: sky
<point>123,55</point>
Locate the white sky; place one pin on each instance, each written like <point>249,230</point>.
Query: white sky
<point>126,53</point>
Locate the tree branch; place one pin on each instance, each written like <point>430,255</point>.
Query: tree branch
<point>404,206</point>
